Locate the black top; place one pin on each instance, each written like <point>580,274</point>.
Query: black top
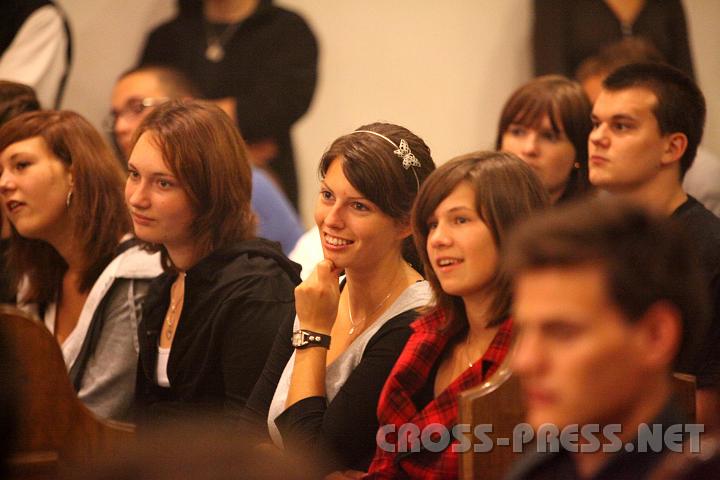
<point>270,68</point>
<point>235,300</point>
<point>566,32</point>
<point>7,295</point>
<point>703,228</point>
<point>341,433</point>
<point>14,13</point>
<point>622,465</point>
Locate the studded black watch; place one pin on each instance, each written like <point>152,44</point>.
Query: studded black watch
<point>306,339</point>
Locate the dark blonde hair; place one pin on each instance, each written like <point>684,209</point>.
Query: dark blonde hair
<point>568,109</point>
<point>372,168</point>
<point>204,151</point>
<point>506,190</point>
<point>98,215</point>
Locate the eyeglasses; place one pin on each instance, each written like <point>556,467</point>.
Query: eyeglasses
<point>133,108</point>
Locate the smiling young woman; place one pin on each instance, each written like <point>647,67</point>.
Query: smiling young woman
<point>211,318</point>
<point>75,262</point>
<point>460,221</point>
<point>322,398</point>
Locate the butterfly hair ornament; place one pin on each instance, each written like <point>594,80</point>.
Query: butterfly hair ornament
<point>402,150</point>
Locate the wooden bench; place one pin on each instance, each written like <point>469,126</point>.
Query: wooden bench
<point>55,430</point>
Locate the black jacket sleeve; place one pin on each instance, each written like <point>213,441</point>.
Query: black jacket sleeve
<point>255,414</point>
<point>550,38</point>
<point>342,433</point>
<point>286,76</point>
<point>680,56</point>
<point>246,345</point>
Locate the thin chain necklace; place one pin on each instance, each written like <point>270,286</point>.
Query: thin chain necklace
<point>352,323</point>
<point>467,348</point>
<point>173,315</point>
<point>215,51</point>
<point>369,314</point>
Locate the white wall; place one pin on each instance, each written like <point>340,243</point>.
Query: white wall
<point>443,69</point>
<point>108,36</point>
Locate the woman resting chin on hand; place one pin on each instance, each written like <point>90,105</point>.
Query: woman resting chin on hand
<point>320,399</point>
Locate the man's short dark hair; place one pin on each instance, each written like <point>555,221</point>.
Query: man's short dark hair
<point>645,259</point>
<point>175,83</point>
<point>680,102</point>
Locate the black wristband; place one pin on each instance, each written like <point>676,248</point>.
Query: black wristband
<point>306,339</point>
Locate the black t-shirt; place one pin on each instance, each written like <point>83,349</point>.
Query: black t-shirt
<point>703,228</point>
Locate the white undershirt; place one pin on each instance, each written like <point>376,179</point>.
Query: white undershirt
<point>161,368</point>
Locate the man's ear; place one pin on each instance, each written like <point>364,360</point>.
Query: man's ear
<point>660,334</point>
<point>676,145</point>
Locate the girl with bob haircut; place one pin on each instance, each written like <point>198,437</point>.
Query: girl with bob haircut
<point>546,123</point>
<point>211,317</point>
<point>321,399</point>
<point>460,222</point>
<point>74,261</point>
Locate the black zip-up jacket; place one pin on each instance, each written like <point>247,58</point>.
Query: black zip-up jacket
<point>235,300</point>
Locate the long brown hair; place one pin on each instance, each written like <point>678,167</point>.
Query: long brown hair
<point>205,152</point>
<point>506,190</point>
<point>97,210</point>
<point>568,109</point>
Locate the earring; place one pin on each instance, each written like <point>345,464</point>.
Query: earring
<point>68,199</point>
<point>576,165</point>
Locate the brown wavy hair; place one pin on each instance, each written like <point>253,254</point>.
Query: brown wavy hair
<point>98,217</point>
<point>506,190</point>
<point>205,152</point>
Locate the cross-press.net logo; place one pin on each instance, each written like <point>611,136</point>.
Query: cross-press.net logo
<point>436,437</point>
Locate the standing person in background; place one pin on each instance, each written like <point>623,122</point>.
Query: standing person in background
<point>254,59</point>
<point>79,269</point>
<point>134,96</point>
<point>15,98</point>
<point>566,32</point>
<point>35,47</point>
<point>211,318</point>
<point>546,123</point>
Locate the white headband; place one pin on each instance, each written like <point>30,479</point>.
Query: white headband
<point>403,151</point>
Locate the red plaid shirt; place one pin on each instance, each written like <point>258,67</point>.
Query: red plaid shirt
<point>410,374</point>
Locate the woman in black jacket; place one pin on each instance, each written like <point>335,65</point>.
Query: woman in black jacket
<point>210,319</point>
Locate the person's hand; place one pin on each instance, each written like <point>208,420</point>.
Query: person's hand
<point>317,298</point>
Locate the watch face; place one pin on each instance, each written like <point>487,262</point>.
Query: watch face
<point>297,338</point>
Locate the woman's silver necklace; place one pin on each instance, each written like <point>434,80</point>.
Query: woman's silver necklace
<point>171,317</point>
<point>215,51</point>
<point>352,323</point>
<point>467,354</point>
